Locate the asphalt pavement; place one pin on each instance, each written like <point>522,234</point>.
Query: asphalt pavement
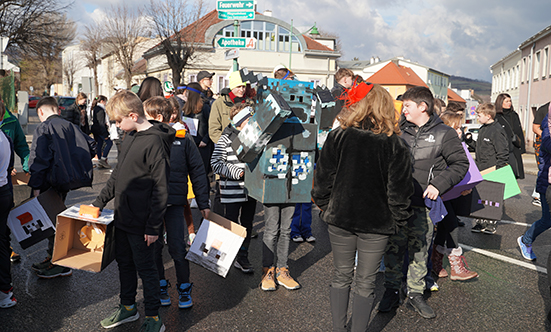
<point>506,296</point>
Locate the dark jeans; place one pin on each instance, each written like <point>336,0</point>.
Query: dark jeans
<point>51,239</point>
<point>176,240</point>
<point>542,224</point>
<point>302,220</point>
<point>6,203</point>
<point>133,255</point>
<point>103,150</point>
<point>247,209</point>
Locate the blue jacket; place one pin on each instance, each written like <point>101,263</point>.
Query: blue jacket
<point>545,158</point>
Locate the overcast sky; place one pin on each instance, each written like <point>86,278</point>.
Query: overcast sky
<point>458,37</point>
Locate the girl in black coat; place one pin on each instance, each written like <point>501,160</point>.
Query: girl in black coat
<point>510,121</point>
<point>100,129</point>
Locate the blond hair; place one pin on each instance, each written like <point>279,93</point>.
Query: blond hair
<point>124,103</point>
<point>452,119</point>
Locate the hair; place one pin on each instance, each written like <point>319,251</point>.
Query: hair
<point>499,102</point>
<point>180,91</point>
<point>194,103</point>
<point>357,80</point>
<point>374,112</point>
<point>280,74</point>
<point>158,105</point>
<point>98,100</point>
<point>343,72</point>
<point>439,106</point>
<point>488,109</point>
<point>420,94</point>
<point>123,103</point>
<point>236,109</point>
<point>80,96</point>
<point>452,119</point>
<point>150,87</point>
<point>454,106</point>
<point>48,102</point>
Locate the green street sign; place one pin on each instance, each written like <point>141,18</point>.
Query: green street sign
<point>237,42</point>
<point>235,15</point>
<point>227,5</point>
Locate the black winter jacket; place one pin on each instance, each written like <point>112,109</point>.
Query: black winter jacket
<point>363,181</point>
<point>139,182</point>
<point>492,147</point>
<point>99,119</point>
<point>510,122</point>
<point>437,155</point>
<point>73,115</point>
<point>61,156</point>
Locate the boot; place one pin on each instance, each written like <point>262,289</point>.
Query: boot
<point>459,266</point>
<point>437,258</point>
<point>361,312</point>
<point>339,307</point>
<point>268,279</point>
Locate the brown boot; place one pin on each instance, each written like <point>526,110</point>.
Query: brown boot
<point>459,267</point>
<point>437,268</point>
<point>268,279</point>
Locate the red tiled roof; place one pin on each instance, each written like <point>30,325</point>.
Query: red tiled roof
<point>311,44</point>
<point>452,96</point>
<point>393,74</point>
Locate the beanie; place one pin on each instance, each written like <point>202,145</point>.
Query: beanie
<point>235,80</point>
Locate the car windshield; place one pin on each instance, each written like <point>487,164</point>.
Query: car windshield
<point>66,101</point>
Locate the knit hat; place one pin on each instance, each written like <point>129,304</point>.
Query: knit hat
<point>243,115</point>
<point>235,80</point>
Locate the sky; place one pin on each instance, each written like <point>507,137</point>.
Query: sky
<point>457,37</point>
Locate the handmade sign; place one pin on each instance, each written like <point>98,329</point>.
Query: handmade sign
<point>471,179</point>
<point>506,176</point>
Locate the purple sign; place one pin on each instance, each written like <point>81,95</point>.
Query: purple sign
<point>471,179</point>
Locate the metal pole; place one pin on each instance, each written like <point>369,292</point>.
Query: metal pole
<point>290,44</point>
<point>235,34</point>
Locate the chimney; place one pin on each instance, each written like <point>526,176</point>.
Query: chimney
<point>267,12</point>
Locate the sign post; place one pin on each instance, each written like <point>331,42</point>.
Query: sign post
<point>235,10</point>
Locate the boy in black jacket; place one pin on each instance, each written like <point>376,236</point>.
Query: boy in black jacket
<point>139,184</point>
<point>61,159</point>
<point>492,149</point>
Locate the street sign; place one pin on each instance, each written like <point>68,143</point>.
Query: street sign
<point>237,42</point>
<point>235,15</point>
<point>3,43</point>
<point>228,5</point>
<point>231,54</point>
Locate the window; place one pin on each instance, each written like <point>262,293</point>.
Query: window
<point>537,65</point>
<point>523,75</point>
<point>192,78</point>
<point>316,82</point>
<point>544,62</point>
<point>223,82</point>
<point>269,36</point>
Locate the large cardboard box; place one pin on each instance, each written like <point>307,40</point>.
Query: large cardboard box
<point>69,249</point>
<point>216,244</point>
<point>32,221</point>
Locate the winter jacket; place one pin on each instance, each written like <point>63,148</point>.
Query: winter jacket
<point>61,156</point>
<point>339,92</point>
<point>10,125</point>
<point>99,121</point>
<point>73,115</point>
<point>139,182</point>
<point>363,181</point>
<point>185,160</point>
<point>510,122</point>
<point>437,155</point>
<point>492,146</point>
<point>225,163</point>
<point>219,117</point>
<point>545,157</point>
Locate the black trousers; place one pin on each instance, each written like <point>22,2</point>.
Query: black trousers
<point>6,203</point>
<point>247,209</point>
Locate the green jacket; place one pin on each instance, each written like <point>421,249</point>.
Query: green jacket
<point>10,125</point>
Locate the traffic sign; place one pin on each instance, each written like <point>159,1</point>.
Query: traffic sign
<point>231,54</point>
<point>235,15</point>
<point>228,5</point>
<point>237,42</point>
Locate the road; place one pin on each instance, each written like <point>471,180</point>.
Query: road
<point>506,297</point>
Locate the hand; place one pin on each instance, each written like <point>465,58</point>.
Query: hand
<point>466,192</point>
<point>36,192</point>
<point>150,239</point>
<point>202,144</point>
<point>13,172</point>
<point>431,192</point>
<point>242,174</point>
<point>205,213</point>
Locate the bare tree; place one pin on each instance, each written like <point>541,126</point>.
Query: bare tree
<point>172,21</point>
<point>125,29</point>
<point>91,44</point>
<point>70,67</point>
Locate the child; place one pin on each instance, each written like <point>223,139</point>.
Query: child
<point>100,129</point>
<point>233,194</point>
<point>439,163</point>
<point>491,150</point>
<point>301,229</point>
<point>184,159</point>
<point>61,159</point>
<point>139,184</point>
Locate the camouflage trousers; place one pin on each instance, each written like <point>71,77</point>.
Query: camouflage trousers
<point>415,237</point>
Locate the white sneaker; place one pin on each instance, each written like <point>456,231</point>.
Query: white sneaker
<point>298,239</point>
<point>7,299</point>
<point>310,239</point>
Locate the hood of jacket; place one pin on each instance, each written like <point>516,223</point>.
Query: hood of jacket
<point>163,130</point>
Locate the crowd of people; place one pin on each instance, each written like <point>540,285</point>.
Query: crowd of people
<point>168,138</point>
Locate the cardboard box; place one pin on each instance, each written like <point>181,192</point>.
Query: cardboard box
<point>471,179</point>
<point>33,220</point>
<point>70,251</point>
<point>216,244</point>
<point>21,178</point>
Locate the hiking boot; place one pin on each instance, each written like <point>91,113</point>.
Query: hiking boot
<point>390,300</point>
<point>268,280</point>
<point>437,268</point>
<point>284,278</point>
<point>418,303</point>
<point>458,269</point>
<point>152,324</point>
<point>103,163</point>
<point>121,316</point>
<point>14,257</point>
<point>184,299</point>
<point>478,226</point>
<point>298,239</point>
<point>491,227</point>
<point>242,263</point>
<point>54,271</point>
<point>42,265</point>
<point>165,298</point>
<point>526,250</point>
<point>310,239</point>
<point>7,299</point>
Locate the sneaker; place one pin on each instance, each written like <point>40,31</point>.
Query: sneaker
<point>479,226</point>
<point>434,287</point>
<point>15,257</point>
<point>184,299</point>
<point>536,202</point>
<point>298,239</point>
<point>42,265</point>
<point>121,316</point>
<point>390,300</point>
<point>310,239</point>
<point>152,324</point>
<point>526,250</point>
<point>165,298</point>
<point>268,280</point>
<point>418,303</point>
<point>242,263</point>
<point>54,271</point>
<point>284,278</point>
<point>7,299</point>
<point>103,163</point>
<point>254,234</point>
<point>491,227</point>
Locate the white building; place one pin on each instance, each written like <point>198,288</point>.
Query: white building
<point>506,77</point>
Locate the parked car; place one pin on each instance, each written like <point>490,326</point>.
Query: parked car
<point>472,128</point>
<point>65,102</point>
<point>33,100</point>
